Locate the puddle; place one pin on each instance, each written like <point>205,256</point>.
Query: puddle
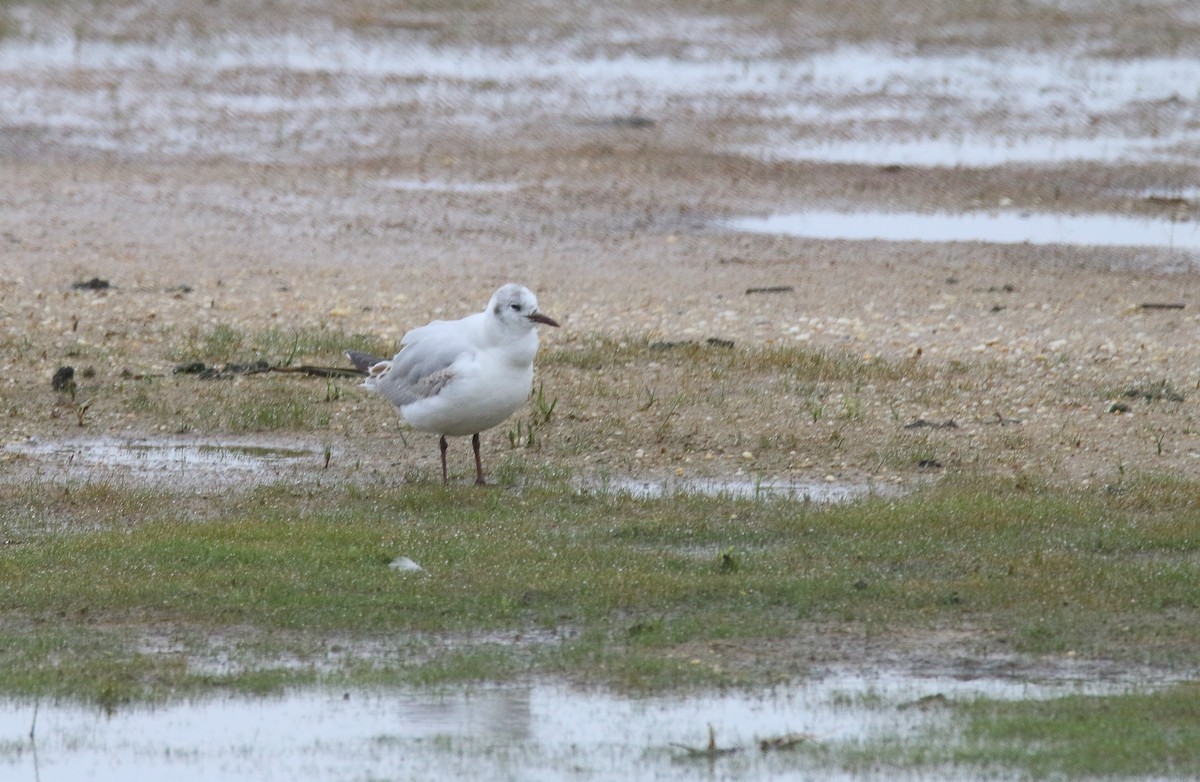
<point>996,227</point>
<point>198,463</point>
<point>269,97</point>
<point>976,150</point>
<point>539,732</point>
<point>183,462</point>
<point>803,491</point>
<point>886,107</point>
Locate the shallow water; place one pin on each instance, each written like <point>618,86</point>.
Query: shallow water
<point>994,227</point>
<point>196,463</point>
<point>985,108</point>
<point>538,732</point>
<point>333,92</point>
<point>178,461</point>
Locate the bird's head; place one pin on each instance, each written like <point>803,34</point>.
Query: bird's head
<point>515,305</point>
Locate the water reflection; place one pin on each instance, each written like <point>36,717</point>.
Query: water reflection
<point>179,461</point>
<point>1003,227</point>
<point>542,731</point>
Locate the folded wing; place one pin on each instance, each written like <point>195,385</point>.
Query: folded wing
<point>424,365</point>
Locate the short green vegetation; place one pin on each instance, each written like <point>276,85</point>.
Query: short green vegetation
<point>1153,734</point>
<point>278,347</point>
<point>294,584</point>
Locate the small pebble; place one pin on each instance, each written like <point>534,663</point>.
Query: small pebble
<point>405,565</point>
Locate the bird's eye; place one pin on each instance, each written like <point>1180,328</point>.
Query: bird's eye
<point>515,306</point>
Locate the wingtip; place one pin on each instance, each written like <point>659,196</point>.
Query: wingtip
<point>362,361</point>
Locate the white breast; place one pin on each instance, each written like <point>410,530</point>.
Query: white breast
<point>487,388</point>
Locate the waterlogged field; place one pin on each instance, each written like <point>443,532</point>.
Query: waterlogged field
<point>867,448</point>
<point>271,534</point>
<point>119,596</point>
<point>842,725</point>
<point>547,578</point>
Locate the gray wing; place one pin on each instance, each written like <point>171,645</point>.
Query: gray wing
<point>425,363</point>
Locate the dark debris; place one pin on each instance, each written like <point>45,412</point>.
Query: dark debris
<point>921,423</point>
<point>64,379</point>
<point>94,284</point>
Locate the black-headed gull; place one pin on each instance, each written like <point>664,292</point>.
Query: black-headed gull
<point>455,378</point>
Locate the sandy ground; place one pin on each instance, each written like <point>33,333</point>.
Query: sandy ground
<point>288,184</point>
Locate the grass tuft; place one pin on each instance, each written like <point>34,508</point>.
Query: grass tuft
<point>802,363</point>
<point>224,344</point>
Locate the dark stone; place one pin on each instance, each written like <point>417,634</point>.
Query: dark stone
<point>94,284</point>
<point>64,378</point>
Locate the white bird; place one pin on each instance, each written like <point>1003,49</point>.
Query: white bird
<point>460,377</point>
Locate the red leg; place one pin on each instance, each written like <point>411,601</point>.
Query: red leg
<point>478,462</point>
<point>442,444</point>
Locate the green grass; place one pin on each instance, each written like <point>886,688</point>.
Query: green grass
<point>1134,735</point>
<point>86,660</point>
<point>259,403</point>
<point>621,591</point>
<point>1073,737</point>
<point>223,343</point>
<point>294,407</point>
